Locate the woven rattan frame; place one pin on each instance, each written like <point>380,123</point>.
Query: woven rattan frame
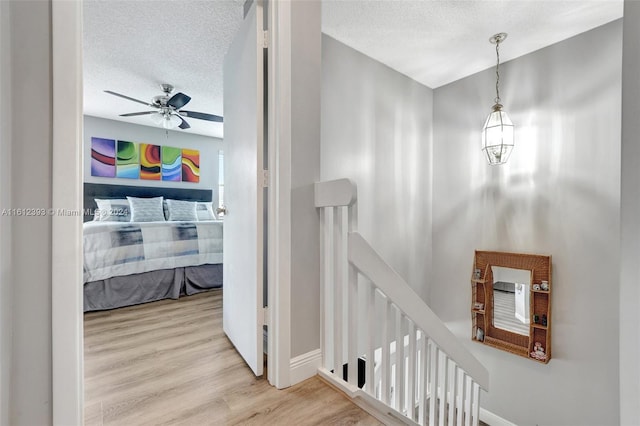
<point>540,302</point>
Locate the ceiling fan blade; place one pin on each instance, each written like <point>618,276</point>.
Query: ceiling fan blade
<point>128,97</point>
<point>178,100</point>
<point>202,116</point>
<point>134,114</point>
<point>184,124</point>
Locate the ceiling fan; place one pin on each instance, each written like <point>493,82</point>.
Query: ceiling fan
<point>168,112</point>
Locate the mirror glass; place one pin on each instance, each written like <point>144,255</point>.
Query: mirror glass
<point>511,290</point>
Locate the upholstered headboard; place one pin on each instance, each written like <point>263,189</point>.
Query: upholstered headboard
<point>99,190</point>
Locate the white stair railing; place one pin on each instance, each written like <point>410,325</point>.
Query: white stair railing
<point>402,363</point>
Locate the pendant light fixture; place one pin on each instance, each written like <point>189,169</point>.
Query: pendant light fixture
<point>497,133</point>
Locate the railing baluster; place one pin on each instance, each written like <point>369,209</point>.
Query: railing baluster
<point>476,404</point>
<point>460,398</point>
<point>428,369</point>
<point>352,310</point>
<point>433,384</point>
<point>327,290</point>
<point>422,377</point>
<point>351,219</point>
<point>370,384</point>
<point>442,381</point>
<point>399,383</point>
<point>338,267</point>
<point>467,401</point>
<point>452,393</point>
<point>411,373</point>
<point>385,368</point>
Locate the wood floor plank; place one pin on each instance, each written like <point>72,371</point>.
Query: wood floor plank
<point>170,363</point>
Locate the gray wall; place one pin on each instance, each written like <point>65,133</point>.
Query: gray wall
<point>377,131</point>
<point>5,221</point>
<point>568,195</point>
<point>29,395</point>
<point>630,217</point>
<point>560,195</point>
<point>112,129</point>
<point>305,171</point>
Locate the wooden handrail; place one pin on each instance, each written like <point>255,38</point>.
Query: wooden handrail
<point>364,258</point>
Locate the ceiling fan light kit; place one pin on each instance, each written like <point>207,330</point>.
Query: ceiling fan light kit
<point>498,130</point>
<point>168,113</point>
<point>166,120</point>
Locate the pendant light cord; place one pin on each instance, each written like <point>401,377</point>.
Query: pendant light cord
<point>497,100</point>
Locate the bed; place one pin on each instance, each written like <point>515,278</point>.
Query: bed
<point>131,262</point>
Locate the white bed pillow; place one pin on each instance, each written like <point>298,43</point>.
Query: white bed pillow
<point>182,210</point>
<point>204,211</point>
<point>146,209</point>
<point>116,210</point>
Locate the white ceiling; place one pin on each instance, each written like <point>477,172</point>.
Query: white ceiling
<point>133,46</point>
<point>436,42</point>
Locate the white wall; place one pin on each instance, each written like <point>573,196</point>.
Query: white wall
<point>6,269</point>
<point>29,395</point>
<point>510,275</point>
<point>630,217</point>
<point>377,131</point>
<point>560,195</point>
<point>118,130</point>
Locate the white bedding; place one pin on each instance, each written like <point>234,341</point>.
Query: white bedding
<point>124,248</point>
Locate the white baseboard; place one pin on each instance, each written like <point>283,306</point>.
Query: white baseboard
<point>305,366</point>
<point>494,420</point>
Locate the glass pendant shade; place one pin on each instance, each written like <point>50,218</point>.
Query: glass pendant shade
<point>497,136</point>
<point>157,118</point>
<point>170,121</point>
<point>166,120</point>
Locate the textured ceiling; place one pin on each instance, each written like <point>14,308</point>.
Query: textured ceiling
<point>132,46</point>
<point>437,42</point>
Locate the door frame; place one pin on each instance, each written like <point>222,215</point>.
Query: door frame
<point>67,176</point>
<point>66,277</point>
<point>279,193</point>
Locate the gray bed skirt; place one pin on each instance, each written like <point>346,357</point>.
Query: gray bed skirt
<point>134,289</point>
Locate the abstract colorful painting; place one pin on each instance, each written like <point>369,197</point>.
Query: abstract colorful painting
<point>127,160</point>
<point>190,165</point>
<point>132,160</point>
<point>171,164</point>
<point>103,157</point>
<point>150,165</point>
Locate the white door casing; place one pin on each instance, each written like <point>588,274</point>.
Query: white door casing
<point>243,222</point>
<point>67,35</point>
<point>66,260</point>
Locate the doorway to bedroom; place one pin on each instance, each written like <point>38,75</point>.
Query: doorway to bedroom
<point>154,246</point>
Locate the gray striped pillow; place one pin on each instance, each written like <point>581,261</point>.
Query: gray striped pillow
<point>204,210</point>
<point>116,210</point>
<point>146,209</point>
<point>182,210</point>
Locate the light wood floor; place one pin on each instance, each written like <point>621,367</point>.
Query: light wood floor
<point>169,362</point>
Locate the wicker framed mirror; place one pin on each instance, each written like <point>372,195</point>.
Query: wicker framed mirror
<point>511,303</point>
